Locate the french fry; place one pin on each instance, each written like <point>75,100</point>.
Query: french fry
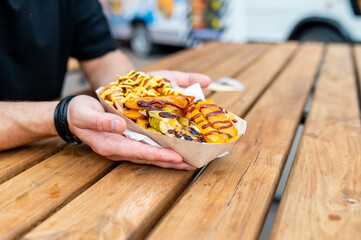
<point>143,122</point>
<point>132,113</point>
<point>177,103</point>
<point>216,117</point>
<point>209,134</point>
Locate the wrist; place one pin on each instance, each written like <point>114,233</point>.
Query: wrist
<point>51,129</point>
<point>70,119</point>
<point>61,121</point>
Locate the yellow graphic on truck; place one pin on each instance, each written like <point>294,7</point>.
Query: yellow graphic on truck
<point>166,7</point>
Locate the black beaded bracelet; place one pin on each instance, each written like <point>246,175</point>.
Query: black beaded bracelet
<point>61,121</point>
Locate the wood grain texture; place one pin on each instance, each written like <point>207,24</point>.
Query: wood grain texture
<point>181,57</point>
<point>224,60</point>
<point>15,161</point>
<point>34,194</point>
<point>256,78</point>
<point>225,63</point>
<point>322,199</point>
<point>139,197</point>
<point>230,199</point>
<point>357,52</point>
<point>233,63</point>
<point>209,58</point>
<point>119,206</point>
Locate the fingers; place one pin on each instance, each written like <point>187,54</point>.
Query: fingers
<point>117,147</point>
<point>87,113</point>
<point>183,79</point>
<point>178,166</point>
<point>104,122</point>
<point>202,79</point>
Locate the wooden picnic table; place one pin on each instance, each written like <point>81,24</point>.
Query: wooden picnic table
<point>52,190</point>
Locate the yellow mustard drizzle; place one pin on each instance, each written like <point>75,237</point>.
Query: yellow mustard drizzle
<point>138,84</point>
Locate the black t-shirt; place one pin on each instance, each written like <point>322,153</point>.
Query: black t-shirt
<point>38,36</point>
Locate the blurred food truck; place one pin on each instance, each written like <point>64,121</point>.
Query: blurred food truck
<point>172,22</point>
<point>186,22</point>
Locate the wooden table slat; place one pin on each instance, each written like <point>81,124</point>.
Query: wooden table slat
<point>180,57</point>
<point>15,161</point>
<point>322,199</point>
<point>36,193</point>
<point>233,63</point>
<point>210,58</point>
<point>122,205</point>
<point>153,199</point>
<point>256,78</point>
<point>230,199</point>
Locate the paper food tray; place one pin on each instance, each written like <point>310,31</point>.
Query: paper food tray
<point>194,153</point>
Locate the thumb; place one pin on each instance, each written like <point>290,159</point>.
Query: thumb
<point>101,121</point>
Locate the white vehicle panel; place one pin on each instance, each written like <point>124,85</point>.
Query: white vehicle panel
<point>275,20</point>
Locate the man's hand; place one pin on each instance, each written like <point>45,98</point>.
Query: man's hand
<point>103,133</point>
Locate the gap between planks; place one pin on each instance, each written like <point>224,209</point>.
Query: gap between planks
<point>356,54</point>
<point>290,158</point>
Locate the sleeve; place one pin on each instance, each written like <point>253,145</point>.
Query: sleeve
<point>91,36</point>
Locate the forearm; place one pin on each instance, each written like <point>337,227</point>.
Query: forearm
<point>24,122</point>
<point>101,71</point>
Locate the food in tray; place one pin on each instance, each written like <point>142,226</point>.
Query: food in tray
<point>154,105</point>
<point>216,125</point>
